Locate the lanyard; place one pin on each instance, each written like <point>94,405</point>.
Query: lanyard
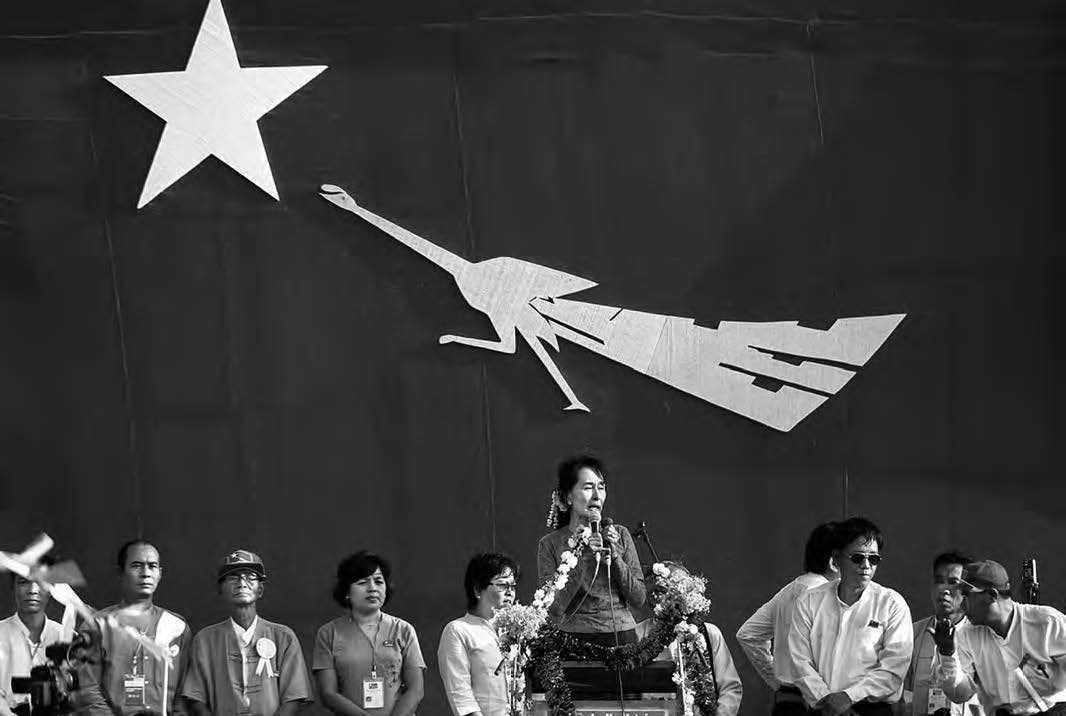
<point>373,646</point>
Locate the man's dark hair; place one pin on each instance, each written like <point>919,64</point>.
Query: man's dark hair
<point>124,551</point>
<point>853,528</point>
<point>481,570</point>
<point>951,557</point>
<point>819,548</point>
<point>567,478</point>
<point>360,566</point>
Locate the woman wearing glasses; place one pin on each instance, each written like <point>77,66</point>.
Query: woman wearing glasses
<point>607,581</point>
<point>469,655</point>
<point>367,661</point>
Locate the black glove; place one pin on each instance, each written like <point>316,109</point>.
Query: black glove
<point>944,636</point>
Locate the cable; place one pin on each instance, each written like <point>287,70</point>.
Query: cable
<point>614,628</point>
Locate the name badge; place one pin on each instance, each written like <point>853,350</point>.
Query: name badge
<point>133,689</point>
<point>937,700</point>
<point>373,693</point>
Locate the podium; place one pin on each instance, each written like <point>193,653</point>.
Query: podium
<point>648,691</point>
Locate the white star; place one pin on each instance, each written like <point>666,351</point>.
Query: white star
<point>211,108</point>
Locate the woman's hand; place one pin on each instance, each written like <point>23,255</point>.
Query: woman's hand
<point>614,539</point>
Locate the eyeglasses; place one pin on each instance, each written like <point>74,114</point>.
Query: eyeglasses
<point>246,577</point>
<point>505,586</point>
<point>860,557</point>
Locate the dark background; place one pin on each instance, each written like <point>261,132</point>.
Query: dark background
<point>219,370</point>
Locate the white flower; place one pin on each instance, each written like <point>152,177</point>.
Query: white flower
<point>560,581</point>
<point>565,556</point>
<point>572,561</point>
<point>692,629</point>
<point>571,542</point>
<point>658,609</point>
<point>659,569</point>
<point>564,568</point>
<point>548,599</point>
<point>676,678</point>
<point>539,594</point>
<point>681,628</point>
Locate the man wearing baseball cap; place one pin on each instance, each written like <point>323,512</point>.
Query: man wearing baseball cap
<point>245,665</point>
<point>1010,654</point>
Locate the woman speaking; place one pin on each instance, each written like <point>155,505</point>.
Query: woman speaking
<point>607,580</point>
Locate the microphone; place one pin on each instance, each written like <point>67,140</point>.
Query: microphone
<point>607,522</point>
<point>595,525</point>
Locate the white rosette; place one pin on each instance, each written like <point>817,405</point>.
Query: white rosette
<point>267,650</point>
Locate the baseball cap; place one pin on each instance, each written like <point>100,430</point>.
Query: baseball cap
<point>985,574</point>
<point>241,560</point>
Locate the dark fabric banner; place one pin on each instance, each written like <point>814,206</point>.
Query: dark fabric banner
<point>220,370</point>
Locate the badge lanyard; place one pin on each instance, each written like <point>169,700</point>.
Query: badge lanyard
<point>374,687</point>
<point>373,647</point>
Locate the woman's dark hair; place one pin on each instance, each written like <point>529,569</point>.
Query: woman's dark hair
<point>567,478</point>
<point>853,528</point>
<point>819,548</point>
<point>481,570</point>
<point>124,551</point>
<point>360,566</point>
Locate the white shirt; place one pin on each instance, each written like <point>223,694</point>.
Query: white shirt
<point>769,626</point>
<point>244,641</point>
<point>730,690</point>
<point>468,656</point>
<point>1035,641</point>
<point>18,654</point>
<point>863,649</point>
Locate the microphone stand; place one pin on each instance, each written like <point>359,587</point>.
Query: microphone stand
<point>614,628</point>
<point>642,533</point>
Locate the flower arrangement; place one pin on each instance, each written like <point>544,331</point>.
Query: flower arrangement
<point>518,625</point>
<point>534,643</point>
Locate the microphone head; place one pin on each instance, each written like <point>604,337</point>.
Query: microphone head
<point>594,519</point>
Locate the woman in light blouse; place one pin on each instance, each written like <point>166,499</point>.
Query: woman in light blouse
<point>367,662</point>
<point>469,655</point>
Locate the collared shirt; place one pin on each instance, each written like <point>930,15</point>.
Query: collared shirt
<point>244,643</point>
<point>863,649</point>
<point>345,648</point>
<point>18,654</point>
<point>214,677</point>
<point>1035,644</point>
<point>593,606</point>
<point>769,626</point>
<point>468,657</point>
<point>924,673</point>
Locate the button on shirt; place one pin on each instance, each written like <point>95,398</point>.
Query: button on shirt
<point>468,656</point>
<point>18,655</point>
<point>863,649</point>
<point>244,642</point>
<point>1035,642</point>
<point>771,623</point>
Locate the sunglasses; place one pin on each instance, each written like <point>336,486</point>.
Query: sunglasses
<point>860,557</point>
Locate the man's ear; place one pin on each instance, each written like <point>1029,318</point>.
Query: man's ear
<point>995,594</point>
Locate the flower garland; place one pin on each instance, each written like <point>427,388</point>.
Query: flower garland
<point>534,643</point>
<point>519,626</point>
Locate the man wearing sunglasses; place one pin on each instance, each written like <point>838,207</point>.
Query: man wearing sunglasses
<point>922,692</point>
<point>1012,655</point>
<point>851,640</point>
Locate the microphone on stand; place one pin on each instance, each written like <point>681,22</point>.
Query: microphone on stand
<point>642,533</point>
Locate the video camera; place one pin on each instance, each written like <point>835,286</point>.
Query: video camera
<point>51,685</point>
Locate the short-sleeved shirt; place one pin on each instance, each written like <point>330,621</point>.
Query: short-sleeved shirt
<point>102,689</point>
<point>344,647</point>
<point>216,675</point>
